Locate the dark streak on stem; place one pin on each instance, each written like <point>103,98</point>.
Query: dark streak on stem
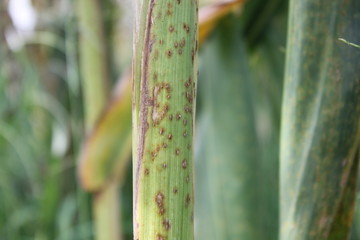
<point>144,101</point>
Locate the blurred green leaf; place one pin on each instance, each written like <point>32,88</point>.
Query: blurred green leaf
<point>108,147</point>
<point>320,131</point>
<point>231,144</point>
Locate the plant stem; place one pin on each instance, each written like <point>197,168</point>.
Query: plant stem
<point>94,74</point>
<point>165,67</point>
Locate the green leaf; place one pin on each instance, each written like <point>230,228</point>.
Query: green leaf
<point>231,143</point>
<point>108,147</point>
<point>320,121</point>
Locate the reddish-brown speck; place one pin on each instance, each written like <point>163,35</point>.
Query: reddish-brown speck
<point>169,12</point>
<point>166,224</point>
<point>176,45</point>
<point>175,190</point>
<point>187,200</point>
<point>160,237</point>
<point>164,165</point>
<point>185,122</point>
<point>182,43</point>
<point>171,117</point>
<point>147,171</point>
<point>178,116</point>
<point>187,178</point>
<point>164,145</point>
<point>186,27</point>
<point>184,164</point>
<point>185,133</point>
<point>177,151</point>
<point>161,42</point>
<point>159,199</point>
<point>161,131</point>
<point>171,28</point>
<point>169,53</point>
<point>170,136</point>
<point>180,51</point>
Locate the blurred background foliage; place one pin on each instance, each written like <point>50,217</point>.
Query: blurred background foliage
<point>42,120</point>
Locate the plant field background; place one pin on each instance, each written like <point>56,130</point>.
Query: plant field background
<point>57,163</point>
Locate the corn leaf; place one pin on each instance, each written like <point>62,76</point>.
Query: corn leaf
<point>231,139</point>
<point>320,121</point>
<point>107,149</point>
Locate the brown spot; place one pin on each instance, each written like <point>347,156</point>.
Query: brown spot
<point>171,117</point>
<point>187,84</point>
<point>189,97</point>
<point>159,199</point>
<point>155,76</point>
<point>176,45</point>
<point>178,1</point>
<point>177,151</point>
<point>169,53</point>
<point>164,165</point>
<point>171,28</point>
<point>161,42</point>
<point>178,116</point>
<point>161,131</point>
<point>166,224</point>
<point>182,43</point>
<point>156,54</point>
<point>184,164</point>
<point>158,111</point>
<point>185,133</point>
<point>175,190</point>
<point>167,87</point>
<point>192,55</point>
<point>169,5</point>
<point>170,136</point>
<point>179,51</point>
<point>153,154</point>
<point>185,122</point>
<point>187,179</point>
<point>187,109</point>
<point>168,96</point>
<point>187,200</point>
<point>169,12</point>
<point>186,27</point>
<point>164,145</point>
<point>160,237</point>
<point>147,171</point>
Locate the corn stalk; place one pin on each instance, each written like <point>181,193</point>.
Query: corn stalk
<point>164,70</point>
<point>320,121</point>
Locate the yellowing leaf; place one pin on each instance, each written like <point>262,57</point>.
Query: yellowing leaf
<point>108,146</point>
<point>210,15</point>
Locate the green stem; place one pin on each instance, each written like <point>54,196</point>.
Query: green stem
<point>106,211</point>
<point>92,60</point>
<point>94,74</point>
<point>165,67</point>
